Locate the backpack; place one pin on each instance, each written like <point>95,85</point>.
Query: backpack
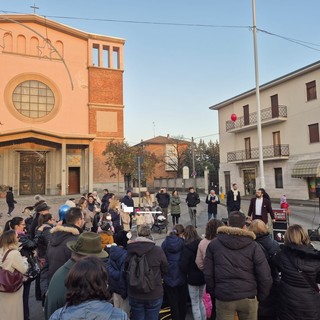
<point>140,276</point>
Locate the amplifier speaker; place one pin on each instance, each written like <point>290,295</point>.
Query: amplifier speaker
<point>314,234</point>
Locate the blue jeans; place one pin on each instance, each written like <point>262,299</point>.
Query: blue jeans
<point>198,309</point>
<point>145,309</point>
<point>210,214</point>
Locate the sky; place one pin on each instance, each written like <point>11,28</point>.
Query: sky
<point>183,56</point>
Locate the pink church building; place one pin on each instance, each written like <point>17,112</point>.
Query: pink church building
<point>61,102</point>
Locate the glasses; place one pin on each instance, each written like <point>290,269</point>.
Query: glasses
<point>22,224</point>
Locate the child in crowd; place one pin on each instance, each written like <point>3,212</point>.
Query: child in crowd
<point>106,235</point>
<point>148,217</point>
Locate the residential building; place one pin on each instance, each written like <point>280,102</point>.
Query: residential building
<point>61,102</point>
<point>290,116</point>
<point>170,152</point>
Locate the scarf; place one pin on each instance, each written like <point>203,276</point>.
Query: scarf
<point>235,194</point>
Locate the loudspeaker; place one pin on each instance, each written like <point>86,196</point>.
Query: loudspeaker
<point>314,234</point>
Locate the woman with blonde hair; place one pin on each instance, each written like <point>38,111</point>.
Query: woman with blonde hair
<point>113,209</point>
<point>299,264</point>
<point>11,302</point>
<point>268,308</point>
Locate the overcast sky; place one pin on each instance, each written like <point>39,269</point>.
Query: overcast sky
<point>182,56</point>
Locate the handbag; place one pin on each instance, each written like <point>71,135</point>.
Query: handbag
<point>10,281</point>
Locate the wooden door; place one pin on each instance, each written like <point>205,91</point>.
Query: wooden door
<point>32,173</point>
<point>247,144</point>
<point>74,180</point>
<point>276,143</point>
<point>274,106</point>
<point>246,117</point>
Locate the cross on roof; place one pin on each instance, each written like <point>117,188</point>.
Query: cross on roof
<point>34,7</point>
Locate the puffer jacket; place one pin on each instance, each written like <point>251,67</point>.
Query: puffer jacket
<point>188,264</point>
<point>235,266</point>
<point>90,310</point>
<point>58,253</point>
<point>157,262</point>
<point>117,280</point>
<point>175,205</point>
<point>172,247</point>
<point>298,300</point>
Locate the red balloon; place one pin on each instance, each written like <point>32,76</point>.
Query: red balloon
<point>234,117</point>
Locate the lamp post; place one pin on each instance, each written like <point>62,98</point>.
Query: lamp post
<point>256,67</point>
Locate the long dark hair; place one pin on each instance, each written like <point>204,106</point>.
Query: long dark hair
<point>87,280</point>
<point>190,234</point>
<point>211,228</point>
<point>10,224</point>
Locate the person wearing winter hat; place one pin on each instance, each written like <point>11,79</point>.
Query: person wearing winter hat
<point>87,244</point>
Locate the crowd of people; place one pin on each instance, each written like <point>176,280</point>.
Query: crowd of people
<point>100,261</point>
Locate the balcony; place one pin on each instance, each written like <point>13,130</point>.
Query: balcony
<point>278,152</point>
<point>268,116</point>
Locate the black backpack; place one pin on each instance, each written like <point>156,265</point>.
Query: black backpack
<point>140,276</point>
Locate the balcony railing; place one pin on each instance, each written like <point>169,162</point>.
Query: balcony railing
<point>266,114</point>
<point>269,152</point>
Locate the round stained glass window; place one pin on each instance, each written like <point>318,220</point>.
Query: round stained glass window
<point>33,99</point>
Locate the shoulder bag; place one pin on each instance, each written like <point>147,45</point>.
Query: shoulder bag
<point>10,281</point>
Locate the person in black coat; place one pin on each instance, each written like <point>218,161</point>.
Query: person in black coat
<point>299,264</point>
<point>195,278</point>
<point>163,199</point>
<point>236,270</point>
<point>212,201</point>
<point>233,199</point>
<point>268,308</point>
<point>175,281</point>
<point>10,201</point>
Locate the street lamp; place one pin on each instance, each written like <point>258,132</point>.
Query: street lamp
<point>256,67</point>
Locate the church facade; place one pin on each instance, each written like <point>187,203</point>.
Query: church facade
<point>61,102</point>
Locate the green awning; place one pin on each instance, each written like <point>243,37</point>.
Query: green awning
<point>306,168</point>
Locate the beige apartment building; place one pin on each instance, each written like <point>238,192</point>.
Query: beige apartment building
<point>61,102</point>
<point>290,116</point>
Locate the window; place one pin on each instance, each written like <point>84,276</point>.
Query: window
<point>278,178</point>
<point>33,99</point>
<point>314,132</point>
<point>246,116</point>
<point>116,58</point>
<point>105,56</point>
<point>311,90</point>
<point>95,55</point>
<point>247,145</point>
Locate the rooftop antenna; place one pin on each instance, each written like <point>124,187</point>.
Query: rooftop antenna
<point>34,7</point>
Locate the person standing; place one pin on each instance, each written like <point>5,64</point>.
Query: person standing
<point>11,260</point>
<point>233,199</point>
<point>299,264</point>
<point>146,305</point>
<point>127,201</point>
<point>175,281</point>
<point>192,200</point>
<point>175,207</point>
<point>212,201</point>
<point>260,207</point>
<point>195,278</point>
<point>10,201</point>
<point>163,199</point>
<point>236,271</point>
